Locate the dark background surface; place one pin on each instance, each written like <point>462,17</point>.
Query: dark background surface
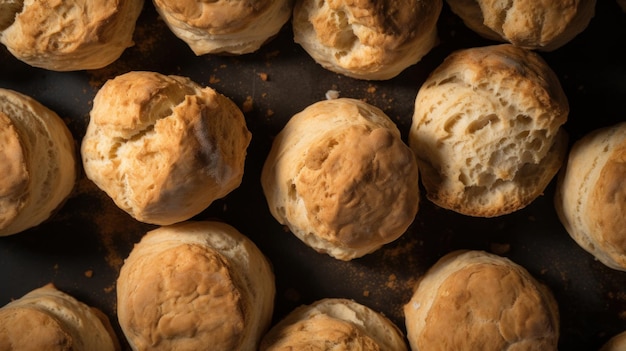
<point>82,247</point>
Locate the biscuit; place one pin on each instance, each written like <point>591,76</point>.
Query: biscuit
<point>545,25</point>
<point>473,300</point>
<point>371,40</point>
<point>341,178</point>
<point>334,324</point>
<point>68,35</point>
<point>590,197</point>
<point>38,161</point>
<point>487,130</point>
<point>163,147</point>
<point>195,285</point>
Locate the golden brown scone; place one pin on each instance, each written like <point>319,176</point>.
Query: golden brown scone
<point>590,198</point>
<point>341,178</point>
<point>372,40</point>
<point>49,319</point>
<point>616,343</point>
<point>334,324</point>
<point>534,25</point>
<point>225,26</point>
<point>38,162</point>
<point>473,300</point>
<point>193,286</point>
<point>487,130</point>
<point>163,147</point>
<point>68,35</point>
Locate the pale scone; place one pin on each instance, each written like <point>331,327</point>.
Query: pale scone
<point>225,26</point>
<point>334,324</point>
<point>534,25</point>
<point>49,319</point>
<point>590,198</point>
<point>163,147</point>
<point>68,35</point>
<point>341,178</point>
<point>195,286</point>
<point>473,300</point>
<point>487,130</point>
<point>38,162</point>
<point>371,40</point>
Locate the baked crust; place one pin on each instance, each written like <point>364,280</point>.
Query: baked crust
<point>334,324</point>
<point>473,300</point>
<point>194,284</point>
<point>365,39</point>
<point>534,25</point>
<point>225,26</point>
<point>341,178</point>
<point>591,197</point>
<point>163,147</point>
<point>69,35</point>
<point>49,319</point>
<point>487,130</point>
<point>38,162</point>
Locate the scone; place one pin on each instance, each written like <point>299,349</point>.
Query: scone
<point>195,286</point>
<point>163,147</point>
<point>341,178</point>
<point>370,40</point>
<point>68,35</point>
<point>473,300</point>
<point>590,197</point>
<point>38,162</point>
<point>487,130</point>
<point>534,25</point>
<point>615,343</point>
<point>49,319</point>
<point>225,26</point>
<point>334,324</point>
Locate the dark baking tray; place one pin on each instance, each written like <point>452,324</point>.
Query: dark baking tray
<point>81,248</point>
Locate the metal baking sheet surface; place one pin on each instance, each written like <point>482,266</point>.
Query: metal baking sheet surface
<point>82,247</point>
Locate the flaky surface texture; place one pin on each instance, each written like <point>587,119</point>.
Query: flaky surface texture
<point>473,300</point>
<point>365,39</point>
<point>163,147</point>
<point>341,178</point>
<point>49,319</point>
<point>591,195</point>
<point>334,324</point>
<point>195,286</point>
<point>536,25</point>
<point>487,130</point>
<point>70,35</point>
<point>225,26</point>
<point>38,162</point>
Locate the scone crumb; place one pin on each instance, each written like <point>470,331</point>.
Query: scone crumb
<point>332,94</point>
<point>213,79</point>
<point>89,273</point>
<point>371,89</point>
<point>391,281</point>
<point>366,293</point>
<point>263,76</point>
<point>248,104</point>
<point>109,288</point>
<point>269,112</point>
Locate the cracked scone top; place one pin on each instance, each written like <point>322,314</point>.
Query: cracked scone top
<point>487,130</point>
<point>195,286</point>
<point>535,25</point>
<point>68,35</point>
<point>38,162</point>
<point>225,26</point>
<point>365,39</point>
<point>473,300</point>
<point>334,324</point>
<point>163,147</point>
<point>341,178</point>
<point>49,319</point>
<point>590,197</point>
